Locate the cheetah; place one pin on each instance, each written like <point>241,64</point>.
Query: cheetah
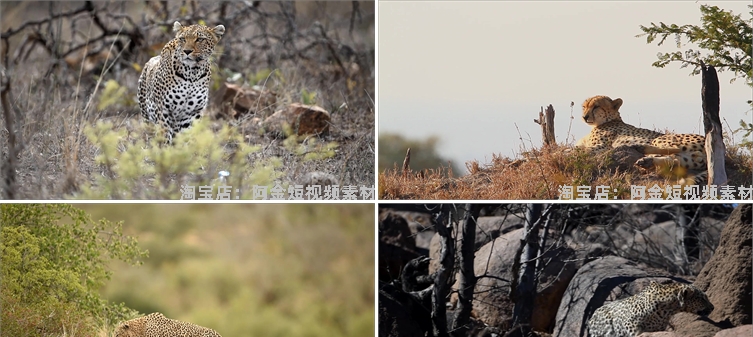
<point>609,131</point>
<point>174,86</point>
<point>157,325</point>
<point>647,311</point>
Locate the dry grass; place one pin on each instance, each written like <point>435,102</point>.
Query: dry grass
<point>538,175</point>
<point>57,159</point>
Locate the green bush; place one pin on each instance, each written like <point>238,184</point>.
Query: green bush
<point>54,263</point>
<point>138,168</point>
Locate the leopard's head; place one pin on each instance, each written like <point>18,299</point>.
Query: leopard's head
<point>196,42</point>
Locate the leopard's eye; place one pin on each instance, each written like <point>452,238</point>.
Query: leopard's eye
<point>182,39</point>
<point>199,39</point>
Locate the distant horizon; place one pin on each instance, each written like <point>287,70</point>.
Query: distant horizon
<point>447,70</point>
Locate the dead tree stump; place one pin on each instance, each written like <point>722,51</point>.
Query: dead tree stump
<point>712,126</point>
<point>547,125</point>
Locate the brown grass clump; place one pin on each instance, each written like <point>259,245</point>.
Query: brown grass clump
<point>539,175</point>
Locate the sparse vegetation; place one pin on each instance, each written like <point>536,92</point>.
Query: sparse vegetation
<point>538,175</point>
<point>77,128</point>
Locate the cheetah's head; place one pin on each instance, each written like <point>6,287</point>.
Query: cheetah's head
<point>598,110</point>
<point>196,42</point>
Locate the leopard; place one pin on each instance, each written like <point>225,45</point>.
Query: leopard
<point>157,325</point>
<point>608,131</point>
<point>648,311</point>
<point>174,86</point>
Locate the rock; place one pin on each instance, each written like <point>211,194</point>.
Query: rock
<point>420,225</point>
<point>608,278</point>
<point>488,228</point>
<point>234,101</point>
<point>726,278</point>
<point>396,246</point>
<point>740,331</point>
<point>492,302</point>
<point>660,334</point>
<point>623,158</point>
<point>302,119</point>
<point>399,315</point>
<point>657,242</point>
<point>317,178</point>
<point>687,324</point>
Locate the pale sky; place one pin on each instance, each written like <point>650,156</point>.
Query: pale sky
<point>468,72</point>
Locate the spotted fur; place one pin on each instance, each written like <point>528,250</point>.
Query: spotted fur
<point>157,325</point>
<point>647,311</point>
<point>174,86</point>
<point>609,131</point>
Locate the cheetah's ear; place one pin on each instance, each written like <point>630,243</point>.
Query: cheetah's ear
<point>219,30</point>
<point>617,103</point>
<point>177,26</point>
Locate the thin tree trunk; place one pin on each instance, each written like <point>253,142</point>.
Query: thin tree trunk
<point>525,289</point>
<point>8,170</point>
<point>467,280</point>
<point>443,226</point>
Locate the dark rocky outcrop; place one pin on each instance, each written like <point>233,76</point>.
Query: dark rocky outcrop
<point>726,278</point>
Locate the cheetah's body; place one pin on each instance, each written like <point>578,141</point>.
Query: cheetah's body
<point>157,325</point>
<point>647,311</point>
<point>609,131</point>
<point>174,86</point>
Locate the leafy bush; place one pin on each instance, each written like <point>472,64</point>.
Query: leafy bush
<point>54,262</point>
<point>139,168</point>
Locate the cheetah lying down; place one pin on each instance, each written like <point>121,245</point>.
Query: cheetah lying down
<point>609,131</point>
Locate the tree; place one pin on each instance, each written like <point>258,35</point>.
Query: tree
<point>54,259</point>
<point>726,38</point>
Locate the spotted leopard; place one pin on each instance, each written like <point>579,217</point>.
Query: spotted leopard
<point>157,325</point>
<point>174,86</point>
<point>647,311</point>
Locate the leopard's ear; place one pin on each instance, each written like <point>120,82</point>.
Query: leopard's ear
<point>125,326</point>
<point>683,294</point>
<point>219,30</point>
<point>617,103</point>
<point>177,26</point>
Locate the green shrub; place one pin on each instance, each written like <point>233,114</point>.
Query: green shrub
<point>54,263</point>
<point>138,168</point>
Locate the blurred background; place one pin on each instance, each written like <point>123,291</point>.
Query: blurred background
<point>251,270</point>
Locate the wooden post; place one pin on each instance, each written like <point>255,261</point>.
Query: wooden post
<point>547,125</point>
<point>712,126</point>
